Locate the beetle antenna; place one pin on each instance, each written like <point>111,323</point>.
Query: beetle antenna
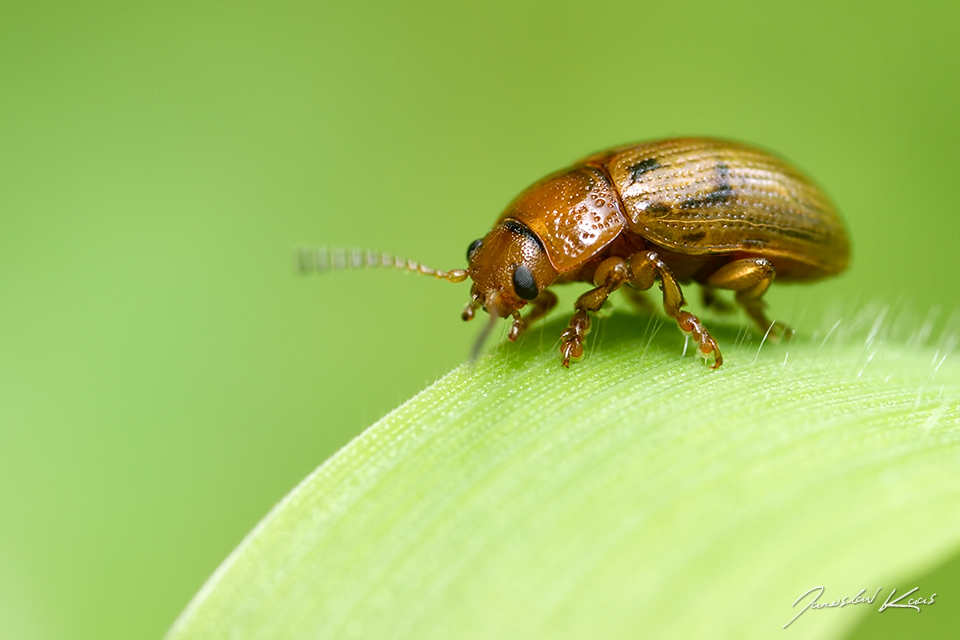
<point>335,259</point>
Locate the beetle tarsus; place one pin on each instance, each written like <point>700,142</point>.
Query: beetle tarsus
<point>571,350</point>
<point>775,331</point>
<point>786,332</point>
<point>706,345</point>
<point>571,340</point>
<point>470,311</point>
<point>517,328</point>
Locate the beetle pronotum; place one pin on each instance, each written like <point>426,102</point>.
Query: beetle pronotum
<point>721,214</point>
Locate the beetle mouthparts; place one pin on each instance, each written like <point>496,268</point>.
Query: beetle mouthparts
<point>493,304</point>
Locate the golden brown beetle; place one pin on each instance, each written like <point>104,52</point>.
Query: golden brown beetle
<point>721,214</point>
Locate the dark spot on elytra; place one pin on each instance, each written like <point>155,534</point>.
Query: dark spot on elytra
<point>723,173</point>
<point>694,237</point>
<point>658,208</point>
<point>785,232</point>
<point>799,234</point>
<point>522,229</point>
<point>642,167</point>
<point>720,194</point>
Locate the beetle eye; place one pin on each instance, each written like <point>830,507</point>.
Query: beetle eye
<point>473,247</point>
<point>524,284</point>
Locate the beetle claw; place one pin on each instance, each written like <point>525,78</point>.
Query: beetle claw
<point>571,349</point>
<point>780,331</point>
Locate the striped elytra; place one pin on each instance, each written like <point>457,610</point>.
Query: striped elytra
<point>703,196</point>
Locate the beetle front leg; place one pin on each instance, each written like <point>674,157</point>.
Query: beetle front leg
<point>542,305</point>
<point>646,266</point>
<point>750,278</point>
<point>608,277</point>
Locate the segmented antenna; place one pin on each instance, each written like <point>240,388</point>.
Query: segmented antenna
<point>335,259</point>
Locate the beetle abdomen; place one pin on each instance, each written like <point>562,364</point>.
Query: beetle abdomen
<point>705,196</point>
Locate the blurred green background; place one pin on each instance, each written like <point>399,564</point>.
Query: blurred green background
<point>166,377</point>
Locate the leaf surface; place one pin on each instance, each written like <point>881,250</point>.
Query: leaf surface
<point>638,494</point>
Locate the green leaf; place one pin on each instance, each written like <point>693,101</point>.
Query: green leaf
<point>638,494</point>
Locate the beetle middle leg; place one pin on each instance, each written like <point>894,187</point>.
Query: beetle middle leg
<point>750,278</point>
<point>645,267</point>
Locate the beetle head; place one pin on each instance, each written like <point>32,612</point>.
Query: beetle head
<point>509,268</point>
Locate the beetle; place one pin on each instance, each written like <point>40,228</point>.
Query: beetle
<point>721,214</point>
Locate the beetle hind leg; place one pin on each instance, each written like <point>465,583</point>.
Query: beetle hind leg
<point>750,278</point>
